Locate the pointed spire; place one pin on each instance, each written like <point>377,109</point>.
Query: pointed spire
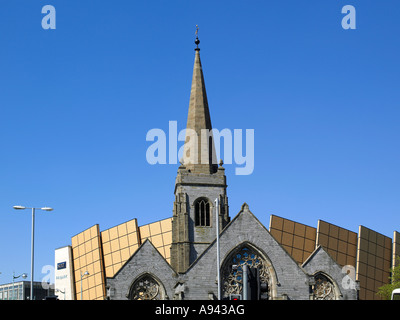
<point>199,151</point>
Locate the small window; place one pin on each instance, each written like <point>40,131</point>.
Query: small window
<point>202,213</point>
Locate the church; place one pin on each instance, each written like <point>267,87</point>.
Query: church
<point>176,258</point>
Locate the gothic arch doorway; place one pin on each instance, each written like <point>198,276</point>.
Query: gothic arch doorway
<point>146,287</point>
<point>232,271</point>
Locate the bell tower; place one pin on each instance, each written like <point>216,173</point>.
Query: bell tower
<point>199,181</point>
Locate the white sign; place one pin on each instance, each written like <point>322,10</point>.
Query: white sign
<point>64,281</point>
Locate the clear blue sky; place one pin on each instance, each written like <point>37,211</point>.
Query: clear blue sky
<point>76,104</point>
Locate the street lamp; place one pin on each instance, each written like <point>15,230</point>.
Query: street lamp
<point>63,292</point>
<point>218,254</point>
<point>83,274</point>
<point>33,237</point>
<point>24,276</point>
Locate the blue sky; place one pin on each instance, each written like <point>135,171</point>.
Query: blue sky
<point>76,104</point>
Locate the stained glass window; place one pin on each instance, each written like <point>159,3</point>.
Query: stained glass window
<point>323,289</point>
<point>146,288</point>
<point>233,270</point>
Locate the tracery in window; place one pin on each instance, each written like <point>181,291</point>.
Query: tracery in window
<point>323,289</point>
<point>232,278</point>
<point>202,213</point>
<point>146,288</point>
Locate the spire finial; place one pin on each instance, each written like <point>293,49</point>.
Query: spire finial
<point>197,41</point>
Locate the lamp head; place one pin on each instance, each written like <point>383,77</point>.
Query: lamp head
<point>19,207</point>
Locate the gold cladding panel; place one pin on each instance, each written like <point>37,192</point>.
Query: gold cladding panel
<point>340,243</point>
<point>374,258</point>
<point>160,235</point>
<point>119,243</point>
<point>87,257</point>
<point>297,239</point>
<point>396,247</point>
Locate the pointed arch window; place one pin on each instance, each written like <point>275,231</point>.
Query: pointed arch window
<point>232,272</point>
<point>202,213</point>
<point>146,288</point>
<point>323,289</point>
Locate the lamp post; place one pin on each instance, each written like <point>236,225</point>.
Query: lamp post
<point>218,257</point>
<point>24,276</point>
<point>33,237</point>
<point>245,281</point>
<point>63,292</point>
<point>83,274</point>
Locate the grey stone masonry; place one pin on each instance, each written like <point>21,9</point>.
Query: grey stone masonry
<point>189,240</point>
<point>288,280</point>
<point>342,277</point>
<point>146,260</point>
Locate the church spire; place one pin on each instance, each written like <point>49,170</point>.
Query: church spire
<point>199,182</point>
<point>199,151</point>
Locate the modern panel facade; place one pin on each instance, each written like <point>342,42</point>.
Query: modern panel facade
<point>297,239</point>
<point>102,254</point>
<point>374,260</point>
<point>340,243</point>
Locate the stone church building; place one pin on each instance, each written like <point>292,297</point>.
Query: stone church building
<point>148,275</point>
<point>192,273</point>
<point>179,261</point>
